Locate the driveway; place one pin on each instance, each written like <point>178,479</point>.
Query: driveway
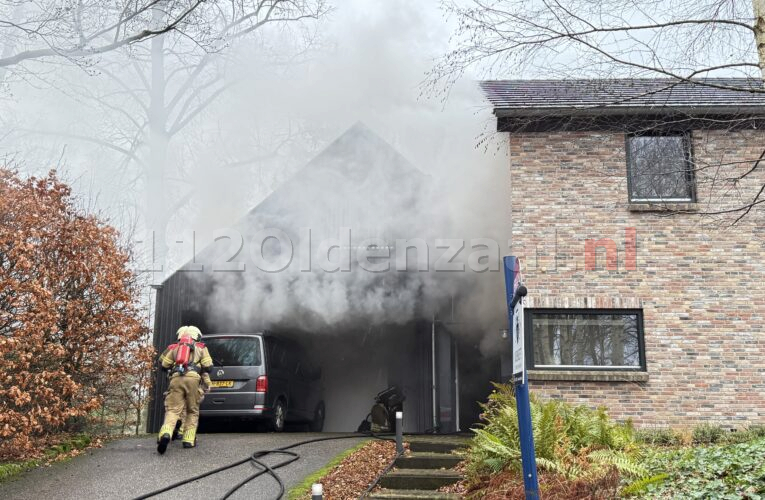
<point>131,467</point>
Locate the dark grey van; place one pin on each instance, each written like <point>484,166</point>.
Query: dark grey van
<point>265,377</point>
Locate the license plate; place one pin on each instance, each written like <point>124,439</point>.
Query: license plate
<point>222,383</point>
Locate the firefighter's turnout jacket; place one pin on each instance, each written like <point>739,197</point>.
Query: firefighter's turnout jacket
<point>187,386</point>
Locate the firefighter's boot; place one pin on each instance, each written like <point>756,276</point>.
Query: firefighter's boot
<point>162,443</point>
<point>165,434</point>
<point>189,438</point>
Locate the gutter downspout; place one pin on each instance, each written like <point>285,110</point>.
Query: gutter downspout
<point>456,385</point>
<point>433,370</point>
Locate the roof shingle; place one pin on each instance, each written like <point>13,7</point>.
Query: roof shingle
<point>515,97</point>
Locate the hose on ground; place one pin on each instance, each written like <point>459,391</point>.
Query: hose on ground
<point>263,468</point>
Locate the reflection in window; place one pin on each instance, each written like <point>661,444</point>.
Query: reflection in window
<point>587,339</point>
<point>234,351</point>
<point>659,168</point>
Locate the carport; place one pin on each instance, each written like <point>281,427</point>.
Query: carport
<point>437,364</point>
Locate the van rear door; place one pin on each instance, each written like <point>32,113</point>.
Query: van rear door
<point>237,364</point>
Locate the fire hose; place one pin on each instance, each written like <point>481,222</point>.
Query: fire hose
<point>389,400</point>
<point>255,459</point>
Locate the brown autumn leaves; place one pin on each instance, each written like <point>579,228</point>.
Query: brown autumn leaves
<point>71,335</point>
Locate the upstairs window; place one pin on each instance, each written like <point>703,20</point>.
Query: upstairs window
<point>659,168</point>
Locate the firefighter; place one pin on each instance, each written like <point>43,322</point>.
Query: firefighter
<point>189,364</point>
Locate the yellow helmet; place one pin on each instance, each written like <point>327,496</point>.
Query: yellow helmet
<point>189,331</point>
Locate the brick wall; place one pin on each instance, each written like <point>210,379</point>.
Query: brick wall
<point>699,280</point>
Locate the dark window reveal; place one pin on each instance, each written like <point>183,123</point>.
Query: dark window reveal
<point>234,351</point>
<point>586,339</point>
<point>659,168</point>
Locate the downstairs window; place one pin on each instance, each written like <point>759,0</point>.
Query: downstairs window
<point>585,339</point>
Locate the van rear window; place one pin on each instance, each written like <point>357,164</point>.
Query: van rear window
<point>234,351</point>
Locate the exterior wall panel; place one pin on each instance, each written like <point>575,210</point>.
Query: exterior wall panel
<point>699,280</point>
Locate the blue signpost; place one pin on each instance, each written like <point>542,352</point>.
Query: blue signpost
<point>515,293</point>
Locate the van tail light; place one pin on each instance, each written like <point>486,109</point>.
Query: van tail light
<point>261,384</point>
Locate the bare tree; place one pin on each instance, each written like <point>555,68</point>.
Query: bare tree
<point>677,39</point>
<point>157,90</point>
<point>81,29</point>
<point>680,42</point>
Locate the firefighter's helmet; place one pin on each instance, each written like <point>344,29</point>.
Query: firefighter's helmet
<point>190,331</point>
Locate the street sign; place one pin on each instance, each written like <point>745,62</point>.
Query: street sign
<point>515,293</point>
<point>519,353</point>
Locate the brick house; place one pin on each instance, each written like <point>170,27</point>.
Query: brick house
<point>646,294</point>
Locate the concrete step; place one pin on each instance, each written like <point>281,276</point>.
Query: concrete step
<point>436,444</point>
<point>425,460</point>
<point>412,495</point>
<point>418,479</point>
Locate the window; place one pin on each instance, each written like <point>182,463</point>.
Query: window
<point>234,351</point>
<point>585,339</point>
<point>659,168</point>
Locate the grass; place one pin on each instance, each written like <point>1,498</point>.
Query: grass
<point>12,469</point>
<point>303,490</point>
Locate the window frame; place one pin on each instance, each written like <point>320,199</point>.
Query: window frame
<point>688,153</point>
<point>529,340</point>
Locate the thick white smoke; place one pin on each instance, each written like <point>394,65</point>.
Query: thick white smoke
<point>369,203</point>
<point>397,165</point>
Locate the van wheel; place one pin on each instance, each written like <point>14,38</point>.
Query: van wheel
<point>317,424</point>
<point>277,420</point>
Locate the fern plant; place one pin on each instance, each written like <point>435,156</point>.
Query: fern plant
<point>575,442</point>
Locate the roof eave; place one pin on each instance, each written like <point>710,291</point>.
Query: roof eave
<point>562,111</point>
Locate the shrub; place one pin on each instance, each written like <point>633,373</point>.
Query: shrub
<point>70,326</point>
<point>659,436</point>
<point>707,434</point>
<point>756,431</point>
<point>574,442</point>
<point>736,437</point>
<point>744,436</point>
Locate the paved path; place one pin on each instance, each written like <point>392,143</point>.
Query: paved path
<point>131,467</point>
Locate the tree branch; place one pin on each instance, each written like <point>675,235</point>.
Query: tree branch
<point>78,51</point>
<point>85,138</point>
